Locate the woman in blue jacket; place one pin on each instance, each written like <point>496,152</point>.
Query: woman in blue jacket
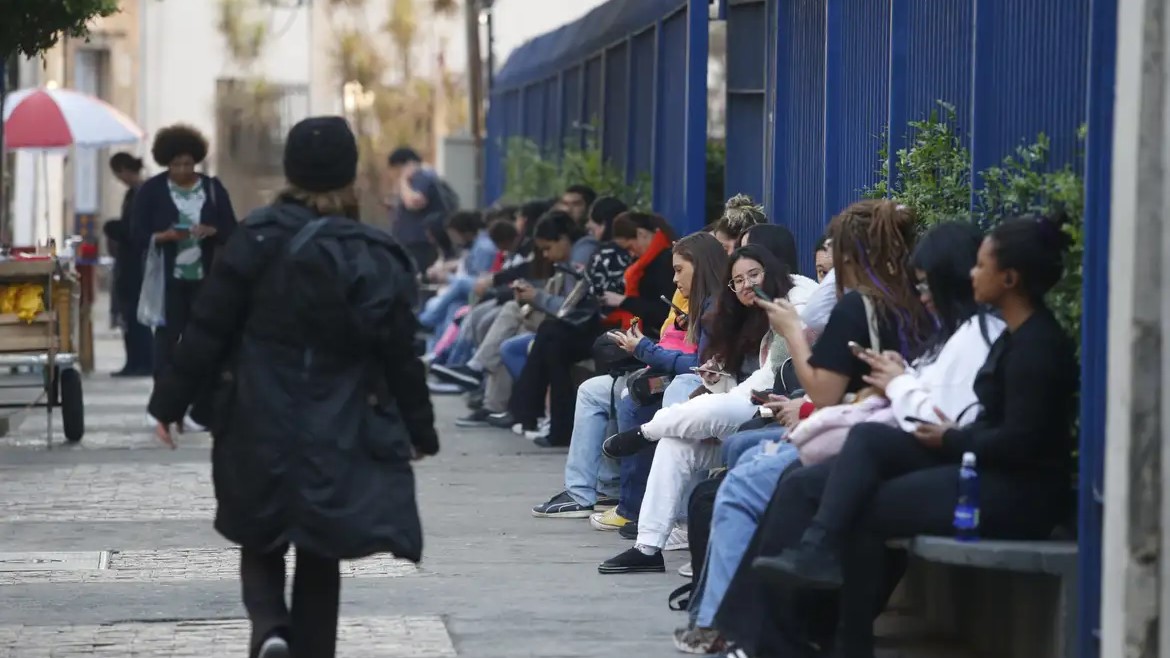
<point>186,215</point>
<point>699,262</point>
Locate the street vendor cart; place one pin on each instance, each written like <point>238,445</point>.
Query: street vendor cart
<point>38,333</point>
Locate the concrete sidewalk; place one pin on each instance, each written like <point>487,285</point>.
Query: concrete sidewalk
<point>107,549</point>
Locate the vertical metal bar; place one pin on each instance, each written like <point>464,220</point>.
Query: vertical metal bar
<point>981,21</point>
<point>583,103</point>
<point>834,112</point>
<point>898,114</point>
<point>655,125</point>
<point>629,165</point>
<point>695,172</point>
<point>601,107</point>
<point>777,142</point>
<point>1095,318</point>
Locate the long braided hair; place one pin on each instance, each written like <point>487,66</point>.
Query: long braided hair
<point>872,241</point>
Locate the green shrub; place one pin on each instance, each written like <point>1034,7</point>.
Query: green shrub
<point>531,173</point>
<point>933,170</point>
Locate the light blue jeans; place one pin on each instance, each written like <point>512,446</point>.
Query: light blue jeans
<point>739,443</point>
<point>740,503</point>
<point>514,353</point>
<point>439,311</point>
<point>588,472</point>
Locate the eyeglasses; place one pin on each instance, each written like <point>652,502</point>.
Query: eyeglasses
<point>752,278</point>
<point>922,287</point>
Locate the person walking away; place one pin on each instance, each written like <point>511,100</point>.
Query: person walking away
<point>128,272</point>
<point>187,215</point>
<point>319,404</point>
<point>424,201</point>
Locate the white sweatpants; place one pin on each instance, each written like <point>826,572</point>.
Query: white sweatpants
<point>715,415</point>
<point>678,466</point>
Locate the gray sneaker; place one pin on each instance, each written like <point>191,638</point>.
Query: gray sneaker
<point>274,647</point>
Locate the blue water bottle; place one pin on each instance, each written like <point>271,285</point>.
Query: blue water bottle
<point>967,509</point>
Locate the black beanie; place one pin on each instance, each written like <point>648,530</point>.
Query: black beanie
<point>321,154</point>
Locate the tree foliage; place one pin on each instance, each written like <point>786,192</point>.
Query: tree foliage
<point>33,26</point>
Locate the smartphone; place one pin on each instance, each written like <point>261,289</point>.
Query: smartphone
<point>761,294</point>
<point>761,397</point>
<point>912,419</point>
<point>856,348</point>
<point>634,324</point>
<point>713,372</point>
<point>678,312</point>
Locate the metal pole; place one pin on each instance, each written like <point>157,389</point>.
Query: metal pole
<point>475,85</point>
<point>4,200</point>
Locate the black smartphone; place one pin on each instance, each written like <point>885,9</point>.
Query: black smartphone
<point>855,347</point>
<point>761,397</point>
<point>912,419</point>
<point>678,312</point>
<point>761,294</point>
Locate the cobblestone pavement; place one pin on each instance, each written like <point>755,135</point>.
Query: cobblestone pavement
<point>106,549</point>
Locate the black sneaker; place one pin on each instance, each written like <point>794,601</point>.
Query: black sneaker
<point>629,531</point>
<point>461,375</point>
<point>625,444</point>
<point>807,566</point>
<point>562,506</point>
<point>605,503</point>
<point>502,420</point>
<point>475,399</point>
<point>633,561</point>
<point>477,418</point>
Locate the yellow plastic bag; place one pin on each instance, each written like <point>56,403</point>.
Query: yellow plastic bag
<point>8,296</point>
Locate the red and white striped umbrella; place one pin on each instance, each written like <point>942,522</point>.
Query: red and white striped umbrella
<point>46,118</point>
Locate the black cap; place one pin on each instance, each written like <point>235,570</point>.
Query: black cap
<point>321,154</point>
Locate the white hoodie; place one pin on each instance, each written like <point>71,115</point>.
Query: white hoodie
<point>948,381</point>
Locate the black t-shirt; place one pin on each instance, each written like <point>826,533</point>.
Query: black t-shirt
<point>847,323</point>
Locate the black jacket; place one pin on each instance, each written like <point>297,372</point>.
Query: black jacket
<point>312,442</point>
<point>154,211</point>
<point>127,259</point>
<point>657,281</point>
<point>1027,389</point>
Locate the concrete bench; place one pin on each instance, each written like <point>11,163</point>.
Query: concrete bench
<point>1008,599</point>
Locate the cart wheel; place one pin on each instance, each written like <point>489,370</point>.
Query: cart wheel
<point>72,405</point>
<point>53,386</point>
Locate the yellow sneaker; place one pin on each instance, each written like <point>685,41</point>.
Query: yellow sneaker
<point>607,520</point>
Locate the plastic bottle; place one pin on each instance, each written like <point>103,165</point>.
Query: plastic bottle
<point>967,507</point>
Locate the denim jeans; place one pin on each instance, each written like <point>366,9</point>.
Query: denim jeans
<point>588,472</point>
<point>636,469</point>
<point>439,311</point>
<point>737,444</point>
<point>514,352</point>
<point>459,353</point>
<point>740,503</point>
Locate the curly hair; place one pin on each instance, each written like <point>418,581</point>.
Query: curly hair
<point>739,214</point>
<point>871,242</point>
<point>174,141</point>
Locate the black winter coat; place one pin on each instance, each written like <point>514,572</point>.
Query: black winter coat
<point>312,443</point>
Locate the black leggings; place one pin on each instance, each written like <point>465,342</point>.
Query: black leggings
<point>311,628</point>
<point>883,485</point>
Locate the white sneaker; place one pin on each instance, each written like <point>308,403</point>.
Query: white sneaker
<point>678,540</point>
<point>686,571</point>
<point>274,647</point>
<point>193,427</point>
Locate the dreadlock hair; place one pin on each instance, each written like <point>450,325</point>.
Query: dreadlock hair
<point>871,241</point>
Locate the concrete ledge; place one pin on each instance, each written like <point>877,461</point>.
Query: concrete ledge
<point>1057,558</point>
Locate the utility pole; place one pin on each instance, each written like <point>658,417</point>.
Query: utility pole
<point>5,201</point>
<point>475,89</point>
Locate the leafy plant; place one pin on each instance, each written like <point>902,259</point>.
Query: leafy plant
<point>716,171</point>
<point>530,172</point>
<point>1025,184</point>
<point>933,173</point>
<point>33,26</point>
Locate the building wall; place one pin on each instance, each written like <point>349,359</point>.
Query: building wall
<point>1134,578</point>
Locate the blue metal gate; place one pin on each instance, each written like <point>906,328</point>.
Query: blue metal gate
<point>635,70</point>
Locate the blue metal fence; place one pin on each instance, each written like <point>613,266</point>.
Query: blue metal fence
<point>632,70</point>
<point>843,72</point>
